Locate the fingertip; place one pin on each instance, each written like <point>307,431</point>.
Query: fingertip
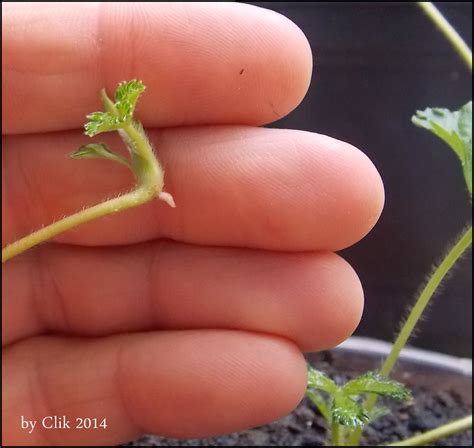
<point>290,377</point>
<point>203,63</point>
<point>347,306</point>
<point>352,193</point>
<point>371,195</point>
<point>213,382</point>
<point>335,298</point>
<point>293,68</point>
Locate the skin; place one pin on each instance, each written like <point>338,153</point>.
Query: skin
<point>186,322</point>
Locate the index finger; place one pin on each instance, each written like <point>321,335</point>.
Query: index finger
<point>203,63</point>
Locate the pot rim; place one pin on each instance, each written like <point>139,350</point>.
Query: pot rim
<point>359,344</point>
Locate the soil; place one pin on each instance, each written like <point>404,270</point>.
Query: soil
<point>306,427</point>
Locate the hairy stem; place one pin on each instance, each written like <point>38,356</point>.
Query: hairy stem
<point>434,281</point>
<point>434,435</point>
<point>449,32</point>
<point>422,301</point>
<point>129,200</point>
<point>335,434</point>
<point>145,164</point>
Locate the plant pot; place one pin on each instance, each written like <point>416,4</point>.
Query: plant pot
<point>441,385</point>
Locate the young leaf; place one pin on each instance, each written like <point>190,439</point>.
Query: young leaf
<point>117,114</point>
<point>98,151</point>
<point>102,122</point>
<point>374,383</point>
<point>319,380</point>
<point>455,129</point>
<point>347,412</point>
<point>126,97</point>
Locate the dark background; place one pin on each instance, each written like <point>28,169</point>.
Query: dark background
<point>375,64</point>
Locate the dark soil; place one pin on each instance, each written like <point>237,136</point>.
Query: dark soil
<point>305,426</point>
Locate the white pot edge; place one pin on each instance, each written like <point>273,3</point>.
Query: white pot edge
<point>382,348</point>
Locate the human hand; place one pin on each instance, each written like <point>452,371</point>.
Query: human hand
<point>186,322</point>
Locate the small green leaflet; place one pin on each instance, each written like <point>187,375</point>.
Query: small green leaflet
<point>98,151</point>
<point>374,383</point>
<point>126,97</point>
<point>347,412</point>
<point>118,114</point>
<point>319,380</point>
<point>454,128</point>
<point>102,122</point>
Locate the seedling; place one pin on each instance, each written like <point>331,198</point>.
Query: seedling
<point>149,175</point>
<point>455,129</point>
<point>342,406</point>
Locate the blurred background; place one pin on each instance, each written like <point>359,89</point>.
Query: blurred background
<point>375,64</point>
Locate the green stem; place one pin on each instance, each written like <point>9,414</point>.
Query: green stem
<point>145,164</point>
<point>133,199</point>
<point>436,278</point>
<point>320,404</point>
<point>335,434</point>
<point>342,435</point>
<point>449,32</point>
<point>434,435</point>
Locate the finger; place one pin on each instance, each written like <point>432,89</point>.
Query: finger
<point>314,300</point>
<point>233,186</point>
<point>176,384</point>
<point>201,63</point>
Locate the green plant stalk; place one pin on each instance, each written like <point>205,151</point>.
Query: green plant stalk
<point>150,173</point>
<point>434,435</point>
<point>433,283</point>
<point>322,407</point>
<point>335,434</point>
<point>147,169</point>
<point>342,435</point>
<point>149,185</point>
<point>132,199</point>
<point>436,278</point>
<point>449,32</point>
